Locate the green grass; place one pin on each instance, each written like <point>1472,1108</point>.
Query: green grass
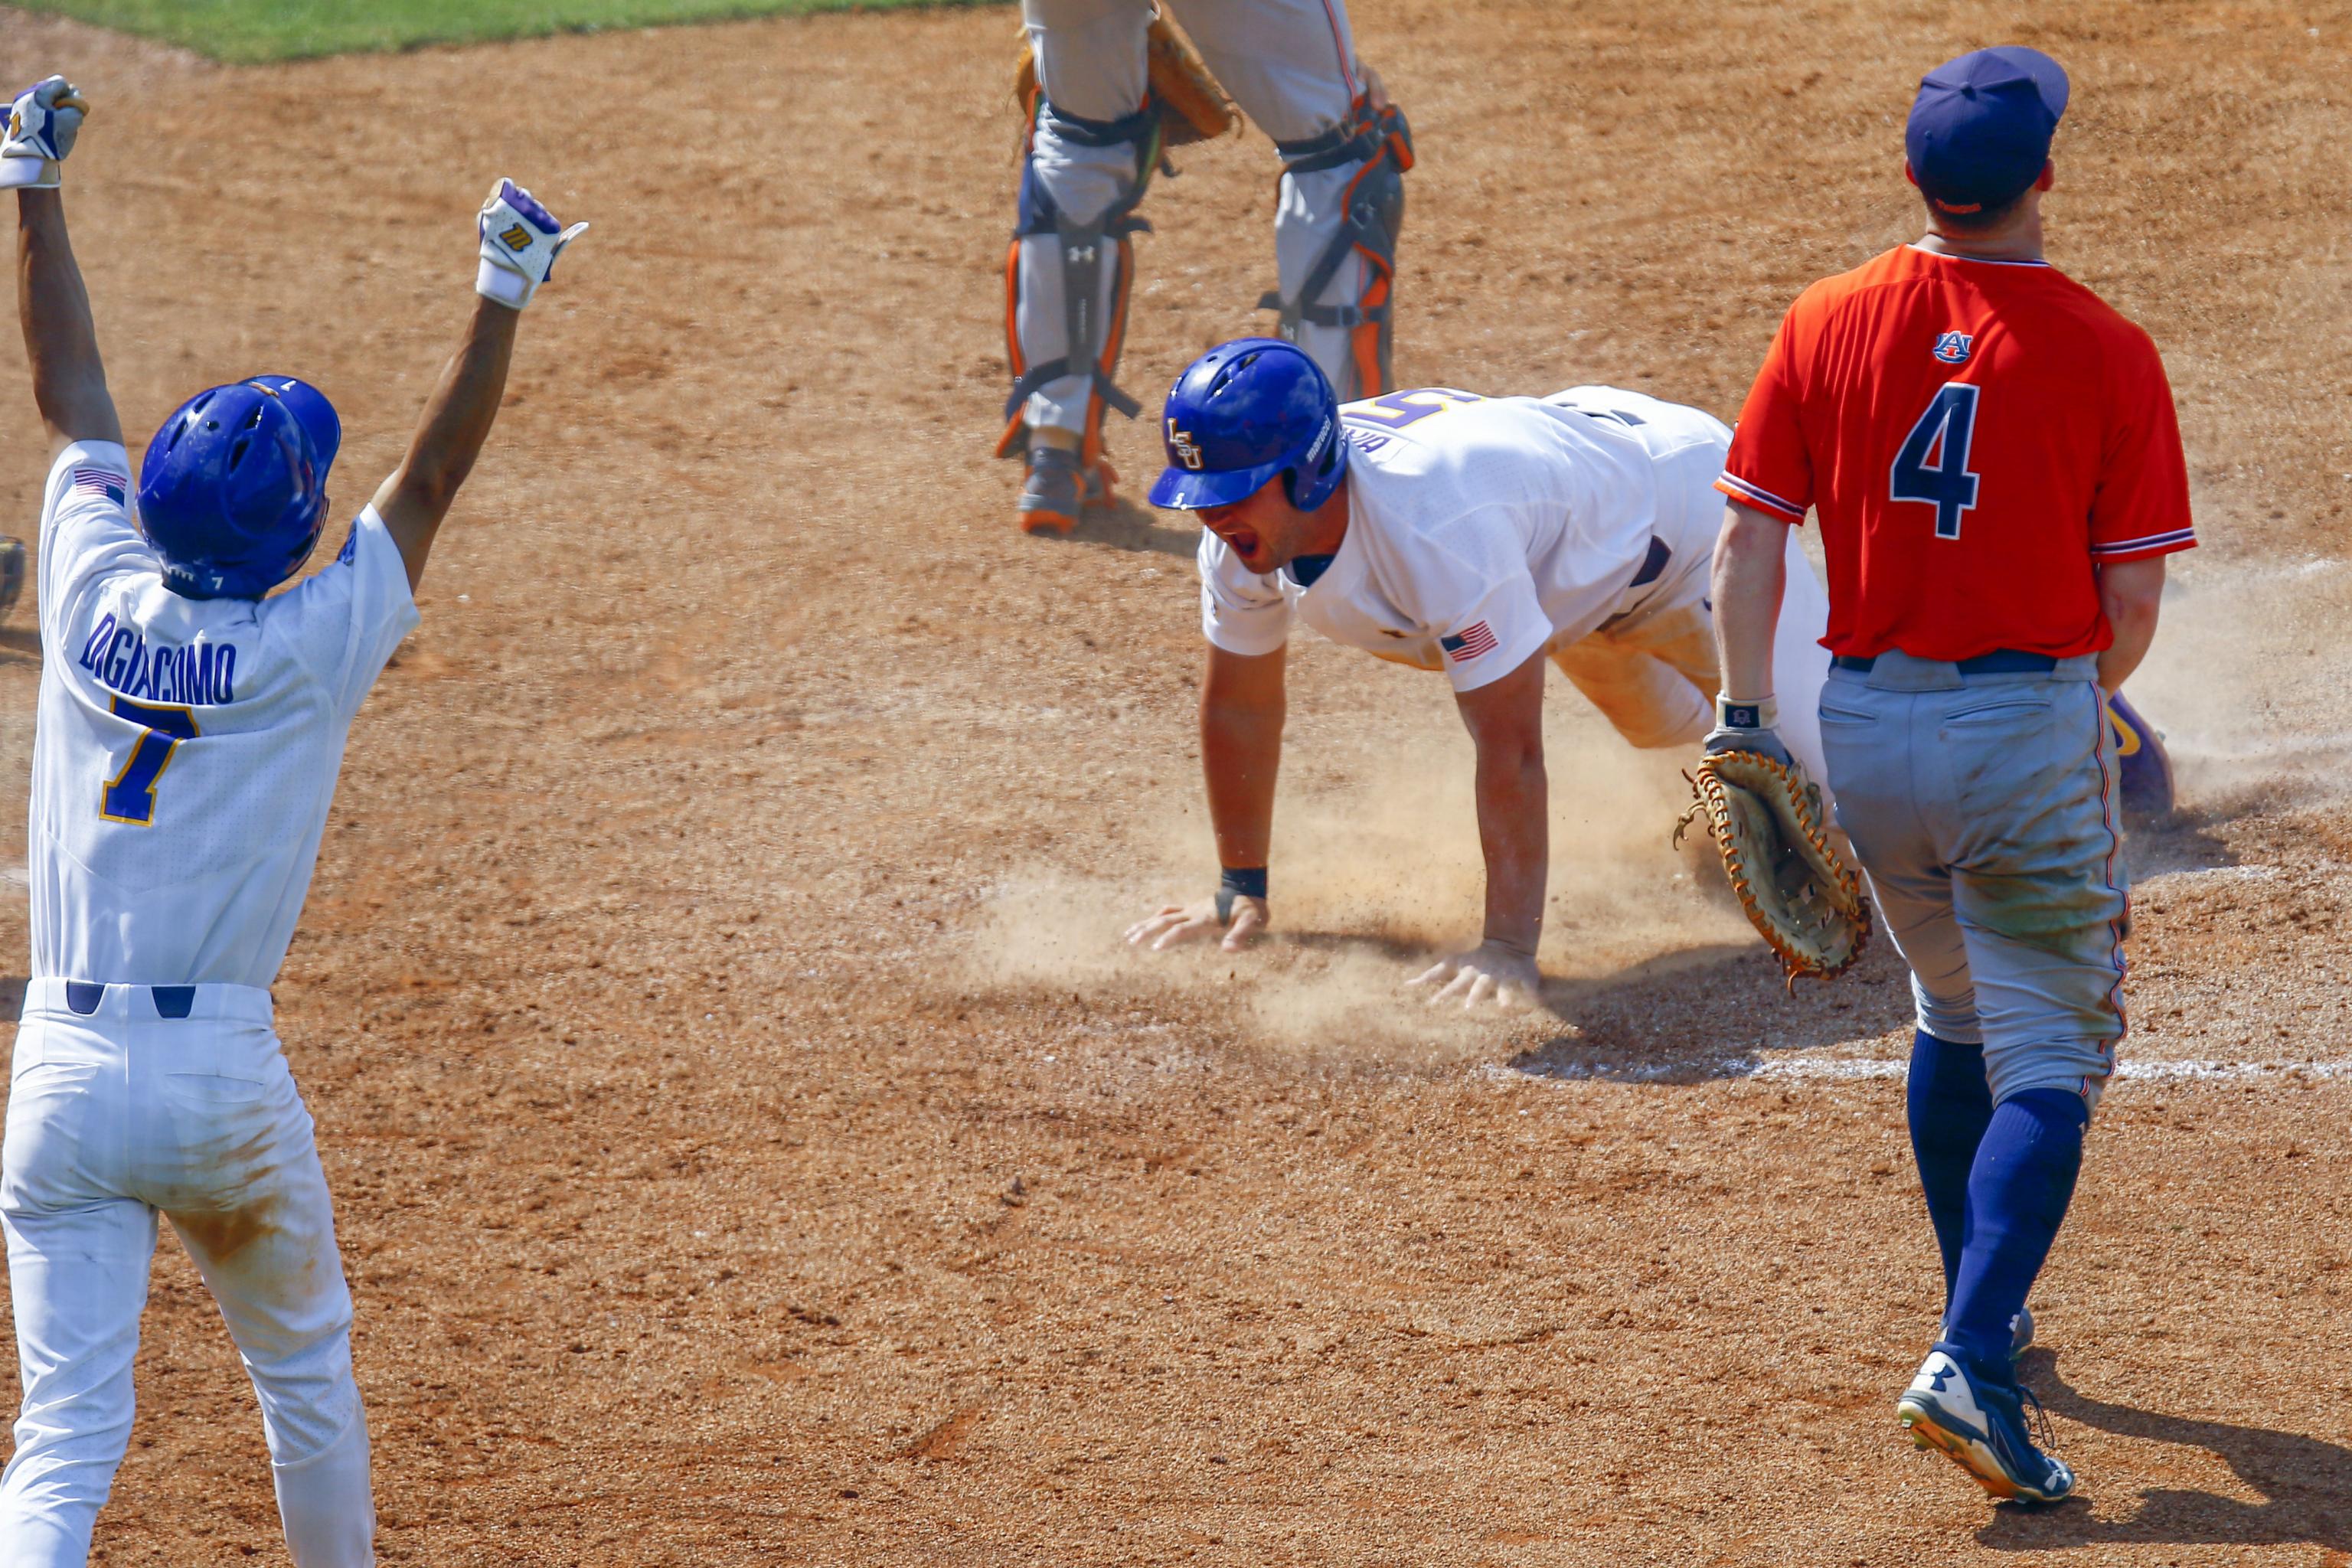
<point>245,31</point>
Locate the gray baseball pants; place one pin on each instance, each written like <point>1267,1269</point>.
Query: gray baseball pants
<point>1984,808</point>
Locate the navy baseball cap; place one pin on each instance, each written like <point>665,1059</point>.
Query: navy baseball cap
<point>1981,126</point>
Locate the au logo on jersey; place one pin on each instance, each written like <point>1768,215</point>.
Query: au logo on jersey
<point>1180,443</point>
<point>1952,348</point>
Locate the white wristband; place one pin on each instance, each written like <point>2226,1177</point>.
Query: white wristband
<point>30,173</point>
<point>502,285</point>
<point>1747,713</point>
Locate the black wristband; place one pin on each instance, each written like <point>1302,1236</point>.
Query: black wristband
<point>1238,882</point>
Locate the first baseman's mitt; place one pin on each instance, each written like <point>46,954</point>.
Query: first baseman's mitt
<point>1192,106</point>
<point>1766,820</point>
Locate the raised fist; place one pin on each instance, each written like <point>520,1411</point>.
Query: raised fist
<point>520,240</point>
<point>42,125</point>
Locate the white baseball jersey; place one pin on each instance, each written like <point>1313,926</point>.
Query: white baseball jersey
<point>187,748</point>
<point>1480,530</point>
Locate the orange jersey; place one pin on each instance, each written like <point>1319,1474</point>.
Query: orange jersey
<point>1976,437</point>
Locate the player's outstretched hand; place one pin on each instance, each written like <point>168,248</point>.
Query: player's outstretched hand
<point>42,125</point>
<point>1488,973</point>
<point>1193,923</point>
<point>520,240</point>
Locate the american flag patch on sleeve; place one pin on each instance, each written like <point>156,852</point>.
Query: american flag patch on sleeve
<point>1469,643</point>
<point>99,481</point>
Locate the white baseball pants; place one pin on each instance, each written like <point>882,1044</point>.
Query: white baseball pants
<point>114,1115</point>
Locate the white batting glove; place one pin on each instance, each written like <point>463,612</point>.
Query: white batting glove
<point>42,125</point>
<point>520,240</point>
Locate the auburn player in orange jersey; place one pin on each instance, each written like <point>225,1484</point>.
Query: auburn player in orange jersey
<point>1993,458</point>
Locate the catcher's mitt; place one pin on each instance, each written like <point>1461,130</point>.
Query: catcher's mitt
<point>1766,820</point>
<point>1192,106</point>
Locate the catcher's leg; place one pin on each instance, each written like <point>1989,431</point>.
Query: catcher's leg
<point>1291,65</point>
<point>1090,151</point>
<point>13,560</point>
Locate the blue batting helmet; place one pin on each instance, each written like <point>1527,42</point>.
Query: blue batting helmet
<point>233,490</point>
<point>1242,413</point>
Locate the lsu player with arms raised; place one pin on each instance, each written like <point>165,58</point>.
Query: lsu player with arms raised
<point>1482,536</point>
<point>191,728</point>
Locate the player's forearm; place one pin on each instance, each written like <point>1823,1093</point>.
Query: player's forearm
<point>1243,704</point>
<point>2131,594</point>
<point>61,337</point>
<point>1750,572</point>
<point>1241,751</point>
<point>1515,834</point>
<point>464,405</point>
<point>455,424</point>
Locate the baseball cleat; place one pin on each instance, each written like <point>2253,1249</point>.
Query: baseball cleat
<point>1059,488</point>
<point>1099,481</point>
<point>2147,767</point>
<point>1050,494</point>
<point>1980,1426</point>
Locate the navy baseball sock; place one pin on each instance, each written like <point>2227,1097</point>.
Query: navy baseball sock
<point>2018,1194</point>
<point>1949,1104</point>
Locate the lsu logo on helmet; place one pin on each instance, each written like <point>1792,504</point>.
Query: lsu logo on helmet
<point>1180,443</point>
<point>1952,348</point>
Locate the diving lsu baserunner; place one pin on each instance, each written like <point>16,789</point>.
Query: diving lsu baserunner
<point>191,728</point>
<point>1093,141</point>
<point>1482,536</point>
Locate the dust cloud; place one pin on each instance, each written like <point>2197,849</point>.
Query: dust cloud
<point>2246,681</point>
<point>1376,875</point>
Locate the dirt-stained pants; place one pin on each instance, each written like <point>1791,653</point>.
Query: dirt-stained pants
<point>1984,809</point>
<point>1651,667</point>
<point>116,1114</point>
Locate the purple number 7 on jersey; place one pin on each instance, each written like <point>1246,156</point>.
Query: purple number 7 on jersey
<point>130,795</point>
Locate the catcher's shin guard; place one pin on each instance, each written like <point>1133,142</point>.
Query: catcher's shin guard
<point>1380,145</point>
<point>1095,267</point>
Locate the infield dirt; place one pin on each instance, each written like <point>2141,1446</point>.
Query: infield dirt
<point>750,1144</point>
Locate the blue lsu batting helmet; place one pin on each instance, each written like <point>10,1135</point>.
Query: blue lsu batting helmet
<point>1242,413</point>
<point>233,490</point>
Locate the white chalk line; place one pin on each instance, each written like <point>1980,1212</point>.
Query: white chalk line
<point>1848,1069</point>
